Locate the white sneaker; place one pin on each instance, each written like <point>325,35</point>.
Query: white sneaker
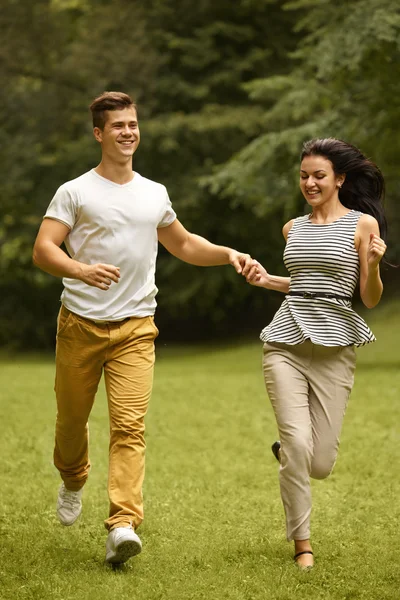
<point>122,543</point>
<point>69,505</point>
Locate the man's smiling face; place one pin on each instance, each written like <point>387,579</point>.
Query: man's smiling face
<point>121,136</point>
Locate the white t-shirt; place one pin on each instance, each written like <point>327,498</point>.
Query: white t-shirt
<point>113,224</point>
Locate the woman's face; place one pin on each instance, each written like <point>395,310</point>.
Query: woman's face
<point>318,181</point>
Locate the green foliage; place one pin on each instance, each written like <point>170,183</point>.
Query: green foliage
<point>343,82</point>
<point>185,68</point>
<point>226,91</point>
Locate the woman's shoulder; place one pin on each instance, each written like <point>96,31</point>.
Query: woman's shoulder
<point>293,223</point>
<point>287,227</point>
<point>366,219</point>
<point>367,224</point>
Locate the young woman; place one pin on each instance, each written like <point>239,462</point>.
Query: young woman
<point>309,356</point>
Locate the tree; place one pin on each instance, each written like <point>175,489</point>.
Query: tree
<point>186,69</point>
<point>344,81</point>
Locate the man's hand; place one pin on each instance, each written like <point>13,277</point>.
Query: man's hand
<point>99,275</point>
<point>241,262</point>
<point>47,255</point>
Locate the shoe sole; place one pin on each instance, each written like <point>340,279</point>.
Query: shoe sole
<point>68,523</point>
<point>123,552</point>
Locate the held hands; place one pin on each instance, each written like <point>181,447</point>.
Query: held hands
<point>99,275</point>
<point>254,273</point>
<point>257,275</point>
<point>241,262</point>
<point>375,251</point>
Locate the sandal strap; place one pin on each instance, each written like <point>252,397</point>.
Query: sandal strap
<point>296,556</point>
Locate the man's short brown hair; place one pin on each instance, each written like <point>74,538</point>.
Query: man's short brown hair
<point>109,101</point>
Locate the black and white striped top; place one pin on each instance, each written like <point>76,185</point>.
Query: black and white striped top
<point>320,258</point>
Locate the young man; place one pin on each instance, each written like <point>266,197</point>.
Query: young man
<point>110,220</point>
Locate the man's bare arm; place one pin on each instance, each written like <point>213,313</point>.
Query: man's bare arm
<point>196,250</point>
<point>48,256</point>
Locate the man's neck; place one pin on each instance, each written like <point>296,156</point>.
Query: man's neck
<point>117,173</point>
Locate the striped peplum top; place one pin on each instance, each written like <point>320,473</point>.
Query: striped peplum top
<point>320,258</point>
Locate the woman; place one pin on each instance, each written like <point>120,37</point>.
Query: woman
<point>309,356</point>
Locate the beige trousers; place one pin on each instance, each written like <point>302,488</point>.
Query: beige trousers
<point>309,387</point>
<point>125,352</point>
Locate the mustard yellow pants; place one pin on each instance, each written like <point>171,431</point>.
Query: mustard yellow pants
<point>309,388</point>
<point>124,351</point>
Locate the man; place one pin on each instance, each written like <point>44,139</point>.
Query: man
<point>110,219</point>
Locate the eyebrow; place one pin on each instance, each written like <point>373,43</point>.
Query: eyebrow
<point>317,171</point>
<point>123,122</point>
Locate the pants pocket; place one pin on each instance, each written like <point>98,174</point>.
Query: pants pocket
<point>64,319</point>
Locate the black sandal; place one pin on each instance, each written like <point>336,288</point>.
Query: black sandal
<point>276,450</point>
<point>296,556</point>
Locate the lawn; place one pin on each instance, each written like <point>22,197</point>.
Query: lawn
<point>213,524</point>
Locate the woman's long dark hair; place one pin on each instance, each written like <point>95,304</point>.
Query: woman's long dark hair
<point>364,186</point>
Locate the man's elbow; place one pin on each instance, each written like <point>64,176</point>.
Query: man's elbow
<point>37,256</point>
<point>181,250</point>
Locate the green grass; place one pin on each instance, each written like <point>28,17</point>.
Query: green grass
<point>213,524</point>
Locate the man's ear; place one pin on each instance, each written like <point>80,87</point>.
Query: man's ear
<point>98,134</point>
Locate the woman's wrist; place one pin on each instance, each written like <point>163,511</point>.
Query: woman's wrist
<point>277,283</point>
<point>268,282</point>
<point>373,270</point>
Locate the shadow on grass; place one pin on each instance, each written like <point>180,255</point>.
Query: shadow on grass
<point>75,560</point>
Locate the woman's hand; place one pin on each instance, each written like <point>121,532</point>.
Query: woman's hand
<point>375,251</point>
<point>257,275</point>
